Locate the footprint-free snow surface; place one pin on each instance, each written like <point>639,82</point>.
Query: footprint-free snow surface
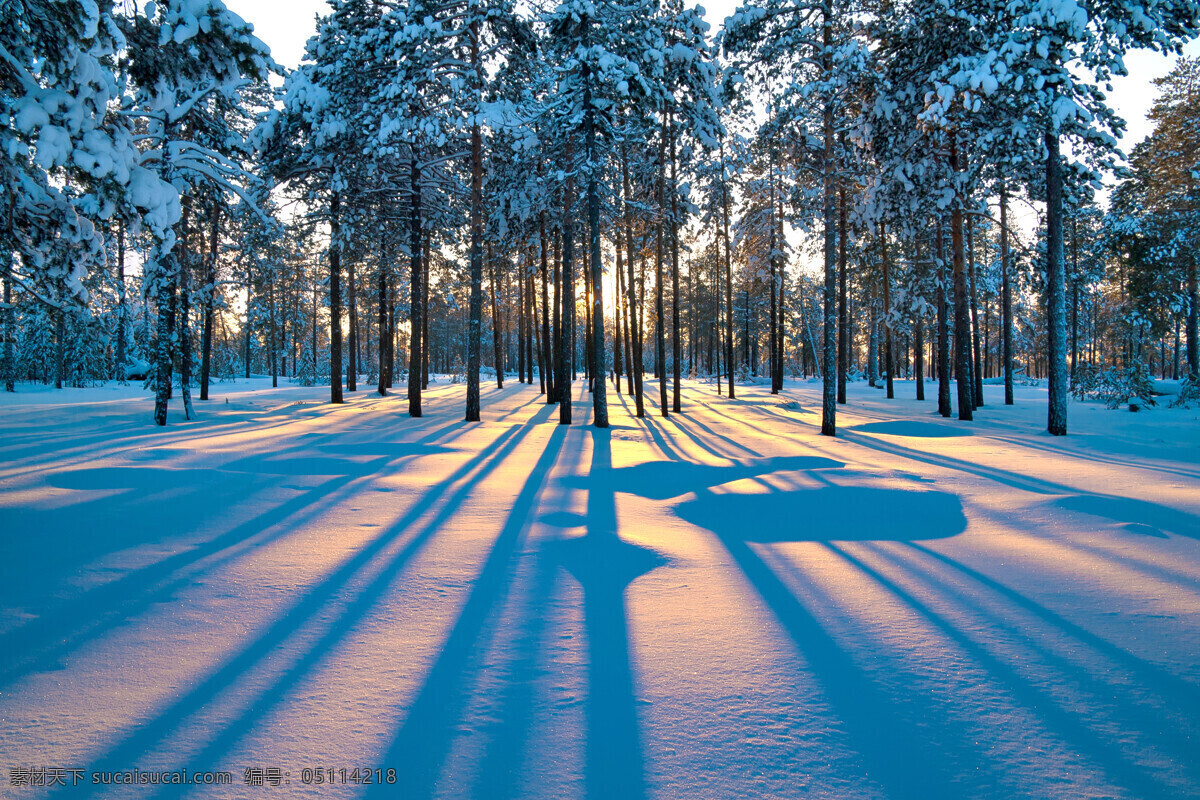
<point>719,604</point>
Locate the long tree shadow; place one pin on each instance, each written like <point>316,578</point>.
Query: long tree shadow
<point>305,611</point>
<point>423,741</point>
<point>605,566</point>
<point>830,512</point>
<point>1099,747</point>
<point>1153,516</point>
<point>1146,673</point>
<point>888,731</point>
<point>41,642</point>
<point>661,480</point>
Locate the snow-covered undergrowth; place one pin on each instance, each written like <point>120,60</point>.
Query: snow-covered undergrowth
<point>719,604</point>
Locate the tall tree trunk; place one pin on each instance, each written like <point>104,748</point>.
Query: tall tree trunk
<point>210,293</point>
<point>676,352</point>
<point>416,323</point>
<point>384,302</point>
<point>843,356</point>
<point>619,337</point>
<point>497,322</point>
<point>1055,288</point>
<point>962,320</point>
<point>888,362</point>
<point>567,343</point>
<point>599,386</point>
<point>165,276</point>
<point>475,325</point>
<point>335,300</point>
<point>1006,300</point>
<point>122,309</point>
<point>425,349</point>
<point>729,345</point>
<point>977,355</point>
<point>632,302</point>
<point>352,333</point>
<point>660,355</point>
<point>919,354</point>
<point>829,345</point>
<point>185,332</point>
<point>272,354</point>
<point>1193,315</point>
<point>560,357</point>
<point>521,321</point>
<point>547,348</point>
<point>943,323</point>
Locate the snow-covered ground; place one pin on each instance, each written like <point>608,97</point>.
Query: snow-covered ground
<point>720,604</point>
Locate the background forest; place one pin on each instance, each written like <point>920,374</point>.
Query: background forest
<point>473,189</point>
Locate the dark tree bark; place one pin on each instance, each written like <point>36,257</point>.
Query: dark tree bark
<point>660,355</point>
<point>888,362</point>
<point>497,322</point>
<point>425,350</point>
<point>122,310</point>
<point>1056,422</point>
<point>1006,300</point>
<point>728,278</point>
<point>977,355</point>
<point>335,300</point>
<point>636,371</point>
<point>416,321</point>
<point>567,343</point>
<point>352,333</point>
<point>962,319</point>
<point>843,357</point>
<point>599,385</point>
<point>618,317</point>
<point>676,343</point>
<point>829,345</point>
<point>475,325</point>
<point>385,379</point>
<point>210,292</point>
<point>547,349</point>
<point>943,323</point>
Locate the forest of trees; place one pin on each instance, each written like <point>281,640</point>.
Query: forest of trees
<point>480,189</point>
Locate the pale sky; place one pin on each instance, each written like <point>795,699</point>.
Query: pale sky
<point>285,25</point>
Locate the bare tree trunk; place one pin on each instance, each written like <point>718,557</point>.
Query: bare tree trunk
<point>352,318</point>
<point>977,356</point>
<point>475,324</point>
<point>1056,299</point>
<point>676,352</point>
<point>274,343</point>
<point>962,319</point>
<point>425,350</point>
<point>497,322</point>
<point>635,318</point>
<point>547,349</point>
<point>943,323</point>
<point>385,379</point>
<point>660,355</point>
<point>843,365</point>
<point>416,323</point>
<point>888,362</point>
<point>122,309</point>
<point>829,345</point>
<point>599,385</point>
<point>335,300</point>
<point>210,291</point>
<point>567,342</point>
<point>728,277</point>
<point>618,334</point>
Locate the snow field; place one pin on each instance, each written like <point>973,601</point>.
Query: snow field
<point>717,604</point>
